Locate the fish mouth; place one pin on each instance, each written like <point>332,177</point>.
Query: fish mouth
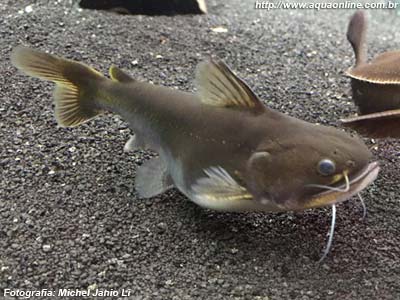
<point>359,182</point>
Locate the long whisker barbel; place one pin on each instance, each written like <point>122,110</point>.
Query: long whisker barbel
<point>333,223</point>
<point>331,188</point>
<point>363,206</point>
<point>331,232</point>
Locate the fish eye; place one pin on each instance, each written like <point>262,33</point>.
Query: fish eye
<point>326,167</point>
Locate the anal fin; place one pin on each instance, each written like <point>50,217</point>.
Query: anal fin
<point>152,178</point>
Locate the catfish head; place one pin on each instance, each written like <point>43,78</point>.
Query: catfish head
<point>307,166</point>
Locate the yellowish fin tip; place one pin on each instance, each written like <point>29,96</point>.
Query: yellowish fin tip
<point>73,96</point>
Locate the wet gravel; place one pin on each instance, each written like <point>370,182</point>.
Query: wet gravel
<point>69,214</point>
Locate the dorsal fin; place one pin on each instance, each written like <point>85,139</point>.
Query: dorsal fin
<point>356,35</point>
<point>217,85</point>
<point>117,74</point>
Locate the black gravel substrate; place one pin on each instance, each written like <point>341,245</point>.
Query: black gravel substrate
<point>69,215</point>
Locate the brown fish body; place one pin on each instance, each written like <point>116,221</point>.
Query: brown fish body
<point>177,120</point>
<point>221,147</point>
<point>373,97</point>
<point>375,85</point>
<point>168,121</point>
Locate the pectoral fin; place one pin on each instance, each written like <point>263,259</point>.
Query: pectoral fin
<point>152,178</point>
<point>219,185</point>
<point>383,124</point>
<point>217,85</point>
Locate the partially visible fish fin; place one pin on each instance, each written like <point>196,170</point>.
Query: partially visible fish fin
<point>130,144</point>
<point>76,87</point>
<point>117,74</point>
<point>219,185</point>
<point>356,35</point>
<point>152,178</point>
<point>217,85</point>
<point>383,124</point>
<point>134,143</point>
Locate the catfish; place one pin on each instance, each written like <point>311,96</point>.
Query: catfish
<point>220,146</point>
<point>375,85</point>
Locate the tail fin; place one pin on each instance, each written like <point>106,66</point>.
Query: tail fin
<point>76,84</point>
<point>356,35</point>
